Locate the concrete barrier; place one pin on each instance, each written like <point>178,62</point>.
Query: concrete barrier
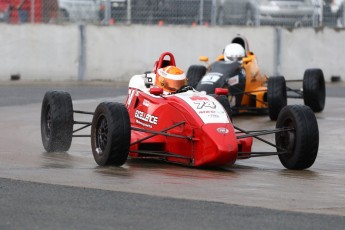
<point>52,52</point>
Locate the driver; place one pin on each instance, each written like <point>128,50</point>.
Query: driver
<point>234,52</point>
<point>170,79</point>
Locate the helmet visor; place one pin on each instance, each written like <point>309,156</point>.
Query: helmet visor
<point>233,59</point>
<point>171,85</point>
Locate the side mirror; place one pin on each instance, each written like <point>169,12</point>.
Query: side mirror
<point>203,58</point>
<point>156,91</point>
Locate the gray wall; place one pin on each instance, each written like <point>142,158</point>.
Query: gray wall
<point>52,52</point>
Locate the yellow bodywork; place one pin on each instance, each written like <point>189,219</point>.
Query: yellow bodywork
<point>255,81</point>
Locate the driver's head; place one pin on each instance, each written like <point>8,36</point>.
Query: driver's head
<point>170,78</point>
<point>234,52</point>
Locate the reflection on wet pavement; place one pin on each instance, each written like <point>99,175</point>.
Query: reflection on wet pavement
<point>57,160</point>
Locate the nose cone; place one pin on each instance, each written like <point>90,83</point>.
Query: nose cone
<point>216,146</point>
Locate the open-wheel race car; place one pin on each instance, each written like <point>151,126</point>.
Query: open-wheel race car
<point>185,127</point>
<point>250,91</point>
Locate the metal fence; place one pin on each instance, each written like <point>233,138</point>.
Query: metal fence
<point>286,13</point>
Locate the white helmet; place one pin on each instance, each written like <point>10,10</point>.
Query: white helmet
<point>234,52</point>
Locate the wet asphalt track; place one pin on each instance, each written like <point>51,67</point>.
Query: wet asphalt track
<point>68,190</point>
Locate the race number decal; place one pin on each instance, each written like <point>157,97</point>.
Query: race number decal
<point>206,107</point>
<point>205,104</point>
<point>211,78</point>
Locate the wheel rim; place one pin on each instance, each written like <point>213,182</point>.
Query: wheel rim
<point>101,135</point>
<point>48,122</point>
<point>286,140</point>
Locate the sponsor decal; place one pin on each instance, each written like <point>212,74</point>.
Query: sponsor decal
<point>213,116</point>
<point>143,124</point>
<point>234,80</point>
<point>145,117</point>
<point>146,103</point>
<point>222,130</point>
<point>206,111</point>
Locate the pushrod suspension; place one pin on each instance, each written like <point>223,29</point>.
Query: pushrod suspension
<point>297,91</point>
<point>261,139</point>
<point>245,155</point>
<point>83,112</point>
<point>263,132</point>
<point>162,132</point>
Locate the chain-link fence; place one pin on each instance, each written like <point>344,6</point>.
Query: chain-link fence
<point>287,13</point>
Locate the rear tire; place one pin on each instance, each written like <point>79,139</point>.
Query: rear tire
<point>276,96</point>
<point>302,142</point>
<point>110,134</point>
<point>194,74</point>
<point>57,121</point>
<point>314,90</point>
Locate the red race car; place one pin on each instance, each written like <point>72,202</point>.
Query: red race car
<point>184,126</point>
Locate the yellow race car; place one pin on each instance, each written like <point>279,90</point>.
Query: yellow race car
<point>250,90</point>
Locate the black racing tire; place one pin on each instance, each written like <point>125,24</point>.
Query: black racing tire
<point>276,96</point>
<point>194,74</point>
<point>57,121</point>
<point>314,90</point>
<point>110,134</point>
<point>302,142</point>
<point>223,100</point>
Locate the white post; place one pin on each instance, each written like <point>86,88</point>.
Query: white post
<point>129,11</point>
<point>214,12</point>
<point>32,15</point>
<point>107,13</point>
<point>201,12</point>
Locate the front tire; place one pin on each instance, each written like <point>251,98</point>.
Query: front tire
<point>194,74</point>
<point>110,134</point>
<point>314,90</point>
<point>57,121</point>
<point>276,96</point>
<point>302,142</point>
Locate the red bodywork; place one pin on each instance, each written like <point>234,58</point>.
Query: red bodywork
<point>188,128</point>
<point>204,144</point>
